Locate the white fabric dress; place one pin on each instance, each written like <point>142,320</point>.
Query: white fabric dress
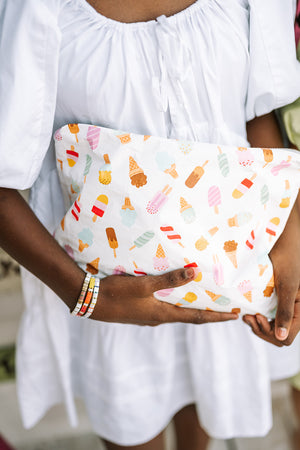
<point>200,75</point>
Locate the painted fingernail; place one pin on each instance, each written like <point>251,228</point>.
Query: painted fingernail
<point>189,272</point>
<point>282,332</point>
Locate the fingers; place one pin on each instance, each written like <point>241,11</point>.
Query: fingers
<point>171,279</point>
<point>286,291</point>
<point>262,328</point>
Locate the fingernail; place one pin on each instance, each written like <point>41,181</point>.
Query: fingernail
<point>189,272</point>
<point>282,332</point>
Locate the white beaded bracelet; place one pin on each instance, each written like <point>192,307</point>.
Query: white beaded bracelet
<point>82,295</point>
<point>94,298</point>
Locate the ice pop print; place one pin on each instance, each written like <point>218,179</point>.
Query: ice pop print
<point>142,239</point>
<point>245,156</point>
<point>218,299</point>
<point>285,202</point>
<point>245,288</point>
<point>88,163</point>
<point>72,156</point>
<point>195,176</point>
<point>158,200</point>
<point>223,163</point>
<point>276,169</point>
<point>76,209</point>
<point>105,171</point>
<point>136,174</point>
<point>92,136</point>
<point>160,261</point>
<point>187,212</point>
<point>128,213</point>
<point>93,266</point>
<point>61,164</point>
<point>230,248</point>
<point>251,240</point>
<point>166,163</point>
<point>264,195</point>
<point>164,292</point>
<point>214,198</point>
<point>112,239</point>
<point>243,187</point>
<point>171,234</point>
<point>271,228</point>
<point>218,272</point>
<point>240,219</point>
<point>100,206</point>
<point>119,270</point>
<point>85,239</point>
<point>138,271</point>
<point>74,129</point>
<point>268,156</point>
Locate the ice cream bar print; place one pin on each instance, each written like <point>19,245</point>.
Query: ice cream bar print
<point>243,187</point>
<point>195,176</point>
<point>74,129</point>
<point>268,156</point>
<point>72,156</point>
<point>112,239</point>
<point>100,206</point>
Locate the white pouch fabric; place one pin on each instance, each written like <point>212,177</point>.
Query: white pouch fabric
<point>146,205</point>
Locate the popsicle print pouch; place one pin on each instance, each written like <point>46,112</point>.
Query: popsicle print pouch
<point>146,205</point>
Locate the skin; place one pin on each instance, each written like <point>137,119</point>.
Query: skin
<point>128,299</point>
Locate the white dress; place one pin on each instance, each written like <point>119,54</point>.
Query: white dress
<point>200,75</point>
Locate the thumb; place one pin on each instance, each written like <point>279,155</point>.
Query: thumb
<point>172,279</point>
<point>286,292</point>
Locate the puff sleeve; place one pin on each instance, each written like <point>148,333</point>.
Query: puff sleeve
<point>274,78</point>
<point>29,53</point>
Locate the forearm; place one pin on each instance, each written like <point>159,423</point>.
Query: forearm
<point>264,131</point>
<point>24,237</point>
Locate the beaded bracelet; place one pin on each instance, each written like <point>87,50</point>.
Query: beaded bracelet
<point>94,298</point>
<point>82,295</point>
<point>88,298</point>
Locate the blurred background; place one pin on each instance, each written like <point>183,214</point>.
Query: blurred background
<point>54,432</point>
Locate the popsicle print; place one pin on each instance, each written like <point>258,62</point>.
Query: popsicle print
<point>74,129</point>
<point>214,198</point>
<point>112,239</point>
<point>100,206</point>
<point>92,136</point>
<point>223,163</point>
<point>72,156</point>
<point>158,200</point>
<point>142,239</point>
<point>195,176</point>
<point>276,169</point>
<point>171,234</point>
<point>243,187</point>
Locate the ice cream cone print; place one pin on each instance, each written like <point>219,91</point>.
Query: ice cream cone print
<point>262,268</point>
<point>187,211</point>
<point>223,163</point>
<point>195,176</point>
<point>146,137</point>
<point>74,129</point>
<point>158,200</point>
<point>72,156</point>
<point>268,156</point>
<point>124,138</point>
<point>230,248</point>
<point>201,244</point>
<point>128,213</point>
<point>172,171</point>
<point>93,135</point>
<point>245,288</point>
<point>85,239</point>
<point>285,202</point>
<point>190,297</point>
<point>240,219</point>
<point>112,239</point>
<point>214,198</point>
<point>100,206</point>
<point>160,261</point>
<point>219,299</point>
<point>269,288</point>
<point>243,187</point>
<point>105,172</point>
<point>171,234</point>
<point>93,266</point>
<point>136,174</point>
<point>271,228</point>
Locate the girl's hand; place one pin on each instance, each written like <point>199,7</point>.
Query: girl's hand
<point>285,257</point>
<point>127,299</point>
